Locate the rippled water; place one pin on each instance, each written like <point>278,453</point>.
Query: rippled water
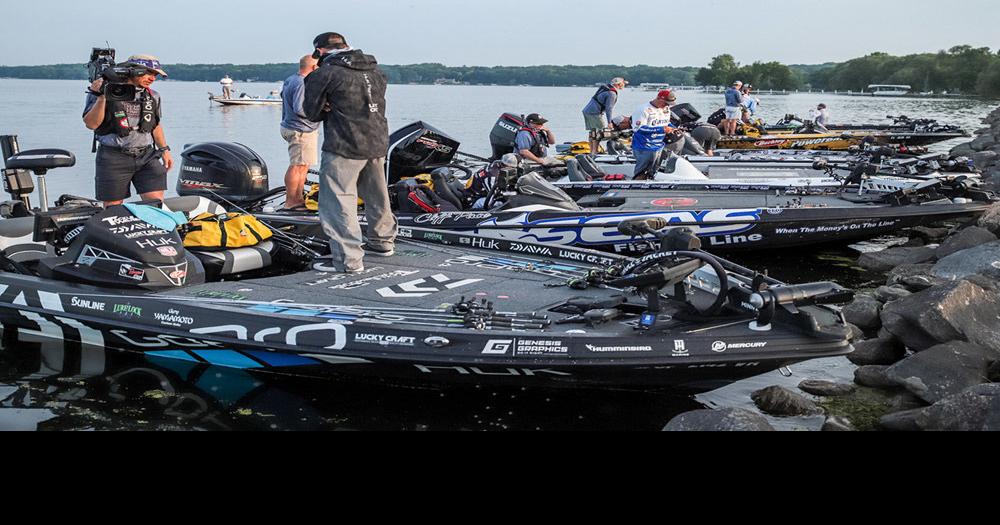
<point>49,385</point>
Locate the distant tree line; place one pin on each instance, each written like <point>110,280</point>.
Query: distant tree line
<point>961,69</point>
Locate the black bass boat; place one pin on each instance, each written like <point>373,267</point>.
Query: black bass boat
<point>907,131</point>
<point>747,214</point>
<point>446,307</point>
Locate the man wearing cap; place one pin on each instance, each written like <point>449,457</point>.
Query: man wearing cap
<point>133,149</point>
<point>650,126</point>
<point>734,108</point>
<point>347,94</point>
<point>532,141</point>
<point>598,112</point>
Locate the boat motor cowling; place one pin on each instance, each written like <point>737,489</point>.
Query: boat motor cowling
<point>224,169</point>
<point>116,249</point>
<point>418,148</point>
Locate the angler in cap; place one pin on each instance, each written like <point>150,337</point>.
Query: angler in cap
<point>533,140</point>
<point>734,108</point>
<point>598,113</point>
<point>651,125</point>
<point>133,149</point>
<point>347,94</point>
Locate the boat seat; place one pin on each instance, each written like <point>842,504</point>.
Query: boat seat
<point>445,190</point>
<point>575,174</point>
<point>193,205</point>
<point>41,160</point>
<point>240,260</point>
<point>16,241</point>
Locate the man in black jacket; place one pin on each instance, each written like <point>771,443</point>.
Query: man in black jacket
<point>347,94</point>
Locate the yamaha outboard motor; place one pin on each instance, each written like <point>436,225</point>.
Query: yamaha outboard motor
<point>503,134</point>
<point>231,171</point>
<point>116,249</point>
<point>418,148</point>
<point>684,114</point>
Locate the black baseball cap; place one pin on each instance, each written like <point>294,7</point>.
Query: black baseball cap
<point>535,118</point>
<point>328,40</point>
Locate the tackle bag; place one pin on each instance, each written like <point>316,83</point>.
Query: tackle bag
<point>209,232</point>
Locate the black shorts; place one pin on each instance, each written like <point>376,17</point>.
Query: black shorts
<point>117,170</point>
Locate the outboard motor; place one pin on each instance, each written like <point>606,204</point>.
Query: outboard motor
<point>684,114</point>
<point>229,170</point>
<point>503,134</point>
<point>418,148</point>
<point>116,249</point>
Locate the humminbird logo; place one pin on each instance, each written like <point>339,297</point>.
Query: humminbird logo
<point>593,348</point>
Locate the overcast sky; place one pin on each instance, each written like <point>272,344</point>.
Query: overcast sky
<point>504,32</point>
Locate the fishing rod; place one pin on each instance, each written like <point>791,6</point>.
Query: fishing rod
<point>276,230</point>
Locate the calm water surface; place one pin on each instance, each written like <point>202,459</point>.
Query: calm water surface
<point>52,386</point>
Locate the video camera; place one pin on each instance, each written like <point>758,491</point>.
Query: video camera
<point>116,78</point>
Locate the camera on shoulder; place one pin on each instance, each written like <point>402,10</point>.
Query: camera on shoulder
<point>117,87</point>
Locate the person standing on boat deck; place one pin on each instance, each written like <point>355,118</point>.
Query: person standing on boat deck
<point>227,87</point>
<point>598,113</point>
<point>301,134</point>
<point>734,111</point>
<point>347,94</point>
<point>750,102</point>
<point>650,125</point>
<point>822,118</point>
<point>133,148</point>
<point>532,141</point>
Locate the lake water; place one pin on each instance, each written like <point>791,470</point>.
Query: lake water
<point>46,385</point>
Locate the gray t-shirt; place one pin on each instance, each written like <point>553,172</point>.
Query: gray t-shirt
<point>293,117</point>
<point>133,109</point>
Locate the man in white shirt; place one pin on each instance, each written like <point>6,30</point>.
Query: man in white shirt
<point>651,124</point>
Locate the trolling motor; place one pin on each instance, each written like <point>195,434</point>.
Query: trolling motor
<point>767,299</point>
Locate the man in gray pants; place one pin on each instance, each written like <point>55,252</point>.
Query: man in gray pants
<point>347,93</point>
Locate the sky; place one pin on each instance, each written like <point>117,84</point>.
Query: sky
<point>505,32</point>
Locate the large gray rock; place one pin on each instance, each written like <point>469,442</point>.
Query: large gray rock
<point>888,294</point>
<point>970,237</point>
<point>981,260</point>
<point>838,424</point>
<point>960,311</point>
<point>826,388</point>
<point>877,352</point>
<point>991,219</point>
<point>984,158</point>
<point>976,409</point>
<point>905,421</point>
<point>982,142</point>
<point>857,334</point>
<point>931,234</point>
<point>779,401</point>
<point>864,312</point>
<point>944,370</point>
<point>725,420</point>
<point>886,260</point>
<point>873,376</point>
<point>913,277</point>
<point>962,150</point>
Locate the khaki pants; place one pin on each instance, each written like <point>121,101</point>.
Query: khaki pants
<point>342,181</point>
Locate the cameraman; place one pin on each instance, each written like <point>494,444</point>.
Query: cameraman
<point>133,148</point>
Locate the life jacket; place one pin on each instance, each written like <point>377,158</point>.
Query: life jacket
<point>210,232</point>
<point>600,91</point>
<point>116,116</point>
<point>539,142</point>
<point>717,117</point>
